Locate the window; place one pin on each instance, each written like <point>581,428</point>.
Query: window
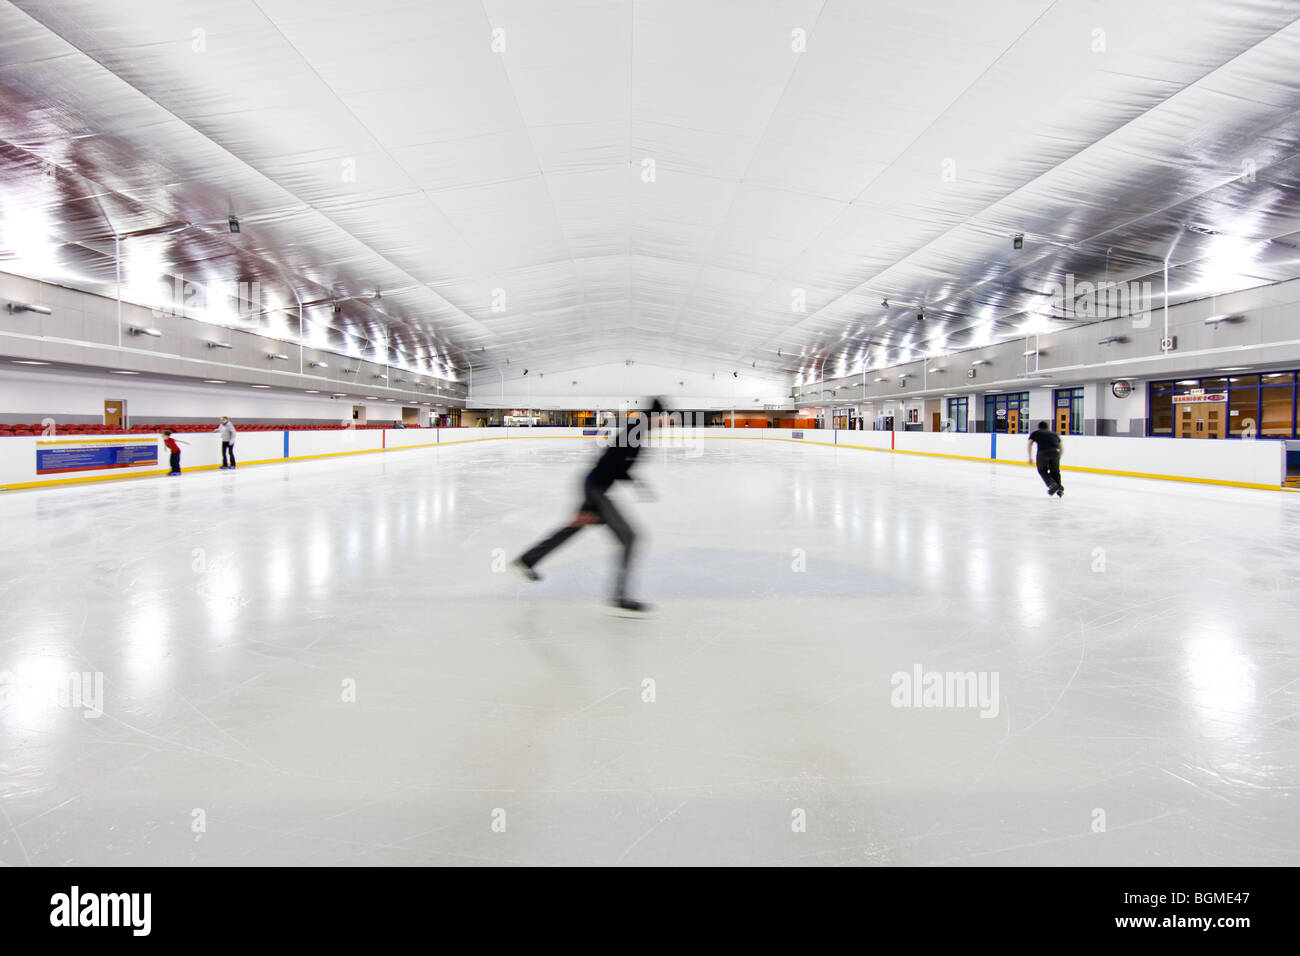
<point>1243,405</point>
<point>1072,399</point>
<point>957,409</point>
<point>998,409</point>
<point>1160,409</point>
<point>1277,405</point>
<point>1258,405</point>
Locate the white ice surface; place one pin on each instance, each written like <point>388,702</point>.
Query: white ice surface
<point>225,611</point>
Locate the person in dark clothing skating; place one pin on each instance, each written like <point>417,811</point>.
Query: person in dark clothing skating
<point>615,464</point>
<point>1049,458</point>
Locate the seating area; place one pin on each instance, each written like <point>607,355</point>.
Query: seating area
<point>152,429</point>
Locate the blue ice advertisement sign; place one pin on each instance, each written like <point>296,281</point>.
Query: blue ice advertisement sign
<point>54,457</point>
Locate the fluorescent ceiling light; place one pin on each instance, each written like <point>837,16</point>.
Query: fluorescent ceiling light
<point>215,381</point>
<point>313,391</point>
<point>220,345</point>
<point>259,386</point>
<point>277,357</point>
<point>118,371</point>
<point>30,362</point>
<point>137,330</point>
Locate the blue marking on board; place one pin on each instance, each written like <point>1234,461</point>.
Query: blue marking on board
<point>993,445</point>
<point>286,444</point>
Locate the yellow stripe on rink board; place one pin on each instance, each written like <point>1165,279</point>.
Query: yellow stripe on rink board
<point>1094,471</point>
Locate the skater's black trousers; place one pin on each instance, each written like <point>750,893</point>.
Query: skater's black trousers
<point>228,453</point>
<point>1049,468</point>
<point>595,500</point>
<point>176,461</point>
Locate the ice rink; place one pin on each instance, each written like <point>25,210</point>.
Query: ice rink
<point>332,663</point>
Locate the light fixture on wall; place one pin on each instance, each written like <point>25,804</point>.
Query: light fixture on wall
<point>980,362</point>
<point>26,307</point>
<point>318,365</point>
<point>277,357</point>
<point>876,380</point>
<point>348,371</point>
<point>220,345</point>
<point>1215,320</point>
<point>1030,353</point>
<point>938,371</point>
<point>1113,339</point>
<point>139,330</point>
<point>380,377</point>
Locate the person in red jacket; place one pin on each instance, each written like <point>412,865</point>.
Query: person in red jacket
<point>175,450</point>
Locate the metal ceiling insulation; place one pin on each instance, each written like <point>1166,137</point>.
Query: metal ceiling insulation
<point>586,181</point>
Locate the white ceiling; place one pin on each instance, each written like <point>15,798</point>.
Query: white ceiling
<point>522,170</point>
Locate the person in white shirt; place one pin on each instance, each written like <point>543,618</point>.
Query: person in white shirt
<point>227,432</point>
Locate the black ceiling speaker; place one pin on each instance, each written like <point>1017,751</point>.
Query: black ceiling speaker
<point>234,223</point>
<point>1018,242</point>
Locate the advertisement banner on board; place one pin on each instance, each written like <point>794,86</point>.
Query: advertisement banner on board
<point>57,456</point>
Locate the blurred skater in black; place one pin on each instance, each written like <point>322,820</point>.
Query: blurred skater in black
<point>1049,458</point>
<point>615,464</point>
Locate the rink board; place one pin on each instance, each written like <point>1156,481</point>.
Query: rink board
<point>1251,464</point>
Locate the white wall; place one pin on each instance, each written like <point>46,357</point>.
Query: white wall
<point>1129,414</point>
<point>37,394</point>
<point>609,386</point>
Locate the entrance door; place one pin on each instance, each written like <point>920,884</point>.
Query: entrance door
<point>1013,421</point>
<point>1063,421</point>
<point>114,412</point>
<point>934,422</point>
<point>1200,420</point>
